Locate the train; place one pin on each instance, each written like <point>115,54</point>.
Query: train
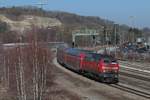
<point>103,67</point>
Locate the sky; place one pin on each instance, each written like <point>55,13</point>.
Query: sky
<point>135,13</point>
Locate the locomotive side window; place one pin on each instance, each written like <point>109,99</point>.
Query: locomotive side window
<point>97,57</point>
<point>89,57</point>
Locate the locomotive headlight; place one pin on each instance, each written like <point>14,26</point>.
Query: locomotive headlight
<point>116,76</point>
<point>115,71</point>
<point>104,70</point>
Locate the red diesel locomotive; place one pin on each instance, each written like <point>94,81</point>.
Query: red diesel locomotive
<point>103,67</point>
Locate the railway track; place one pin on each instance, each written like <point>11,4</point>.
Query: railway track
<point>131,90</point>
<point>136,65</point>
<point>141,73</point>
<point>137,76</point>
<point>128,88</point>
<point>130,70</point>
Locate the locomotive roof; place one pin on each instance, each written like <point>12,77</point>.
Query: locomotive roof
<point>76,51</point>
<point>79,50</point>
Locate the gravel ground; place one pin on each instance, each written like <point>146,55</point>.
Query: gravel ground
<point>136,83</point>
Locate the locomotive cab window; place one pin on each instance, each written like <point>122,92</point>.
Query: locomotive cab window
<point>109,59</point>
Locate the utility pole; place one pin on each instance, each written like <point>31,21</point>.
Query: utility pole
<point>132,26</point>
<point>42,3</point>
<point>106,38</point>
<point>115,32</point>
<point>106,35</point>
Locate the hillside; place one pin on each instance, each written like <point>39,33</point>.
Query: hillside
<point>68,19</point>
<point>28,20</point>
<point>21,18</point>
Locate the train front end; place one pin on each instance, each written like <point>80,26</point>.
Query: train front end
<point>109,69</point>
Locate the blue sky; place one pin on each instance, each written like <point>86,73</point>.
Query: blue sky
<point>115,10</point>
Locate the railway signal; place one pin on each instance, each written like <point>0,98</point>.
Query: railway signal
<point>86,32</point>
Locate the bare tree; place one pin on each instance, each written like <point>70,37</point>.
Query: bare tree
<point>25,69</point>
